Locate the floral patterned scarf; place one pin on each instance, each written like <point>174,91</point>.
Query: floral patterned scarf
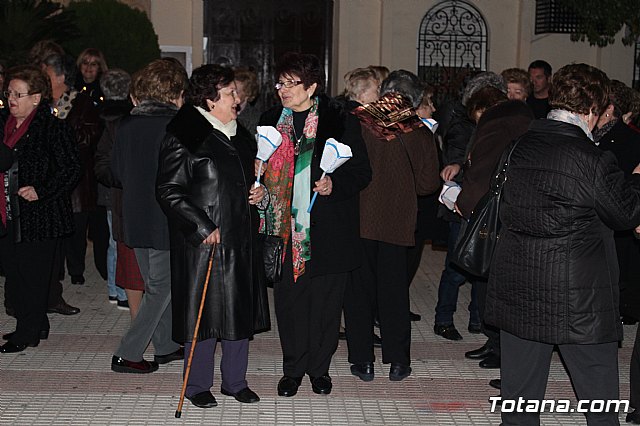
<point>289,183</point>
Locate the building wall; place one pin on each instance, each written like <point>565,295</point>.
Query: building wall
<point>385,32</point>
<point>179,23</point>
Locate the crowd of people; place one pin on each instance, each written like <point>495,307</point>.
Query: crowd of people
<point>158,169</point>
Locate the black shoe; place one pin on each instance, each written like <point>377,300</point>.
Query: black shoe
<point>77,279</point>
<point>321,385</point>
<point>63,308</point>
<point>9,347</point>
<point>448,331</point>
<point>364,371</point>
<point>44,335</point>
<point>121,365</point>
<point>626,320</point>
<point>492,361</point>
<point>203,400</point>
<point>495,383</point>
<point>246,395</point>
<point>398,372</point>
<point>123,305</point>
<point>414,317</point>
<point>633,417</point>
<point>377,341</point>
<point>480,353</point>
<point>288,386</point>
<point>173,356</point>
<point>474,328</point>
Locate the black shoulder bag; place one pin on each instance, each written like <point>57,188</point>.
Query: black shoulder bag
<point>478,237</point>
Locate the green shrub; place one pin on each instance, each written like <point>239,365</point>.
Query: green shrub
<point>25,22</point>
<point>124,35</point>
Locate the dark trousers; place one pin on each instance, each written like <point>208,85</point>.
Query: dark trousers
<point>28,266</point>
<point>381,282</point>
<point>57,274</point>
<point>414,256</point>
<point>98,231</point>
<point>450,281</point>
<point>308,313</point>
<point>75,245</point>
<point>492,333</point>
<point>233,365</point>
<point>525,371</point>
<point>634,370</point>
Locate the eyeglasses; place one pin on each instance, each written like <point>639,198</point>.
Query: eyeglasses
<point>8,94</point>
<point>287,83</point>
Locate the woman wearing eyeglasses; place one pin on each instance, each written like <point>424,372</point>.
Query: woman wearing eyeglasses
<point>36,204</point>
<point>91,64</point>
<point>321,247</point>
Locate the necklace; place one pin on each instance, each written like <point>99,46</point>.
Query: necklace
<point>296,145</point>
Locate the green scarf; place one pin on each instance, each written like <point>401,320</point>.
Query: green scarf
<point>289,182</point>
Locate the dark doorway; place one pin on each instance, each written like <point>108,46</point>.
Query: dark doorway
<point>255,33</point>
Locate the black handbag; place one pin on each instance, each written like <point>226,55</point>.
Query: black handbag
<point>270,248</point>
<point>478,237</point>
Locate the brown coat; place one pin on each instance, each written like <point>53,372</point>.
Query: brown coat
<point>403,168</point>
<point>496,129</point>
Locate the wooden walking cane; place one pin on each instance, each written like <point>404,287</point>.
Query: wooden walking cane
<point>195,333</point>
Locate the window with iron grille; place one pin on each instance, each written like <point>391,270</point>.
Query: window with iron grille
<point>553,17</point>
<point>452,46</point>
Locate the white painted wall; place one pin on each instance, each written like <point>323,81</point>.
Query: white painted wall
<point>385,32</point>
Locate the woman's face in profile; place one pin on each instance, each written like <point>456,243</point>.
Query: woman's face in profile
<point>225,108</point>
<point>242,95</point>
<point>426,108</point>
<point>295,97</point>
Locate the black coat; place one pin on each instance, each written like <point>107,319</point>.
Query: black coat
<point>335,221</point>
<point>554,276</point>
<point>203,185</point>
<point>46,158</point>
<point>134,163</point>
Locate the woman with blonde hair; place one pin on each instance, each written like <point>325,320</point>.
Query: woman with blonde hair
<point>91,65</point>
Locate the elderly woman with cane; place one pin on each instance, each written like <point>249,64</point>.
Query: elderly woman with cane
<point>205,186</point>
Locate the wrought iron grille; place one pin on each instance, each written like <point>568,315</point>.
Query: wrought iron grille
<point>452,47</point>
<point>553,17</point>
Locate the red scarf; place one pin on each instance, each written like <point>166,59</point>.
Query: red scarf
<point>12,135</point>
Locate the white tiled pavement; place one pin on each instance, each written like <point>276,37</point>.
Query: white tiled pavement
<point>67,379</point>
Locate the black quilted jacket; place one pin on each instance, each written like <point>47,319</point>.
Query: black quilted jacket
<point>554,277</point>
<point>46,157</point>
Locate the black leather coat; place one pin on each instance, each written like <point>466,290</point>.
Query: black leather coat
<point>203,185</point>
<point>46,158</point>
<point>554,276</point>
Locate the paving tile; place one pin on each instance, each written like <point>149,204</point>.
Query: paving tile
<point>67,379</point>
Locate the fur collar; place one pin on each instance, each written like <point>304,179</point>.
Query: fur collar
<point>154,108</point>
<point>189,126</point>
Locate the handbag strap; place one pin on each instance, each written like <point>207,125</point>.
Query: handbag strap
<point>500,177</point>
